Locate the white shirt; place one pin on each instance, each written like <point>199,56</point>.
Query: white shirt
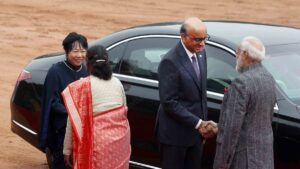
<point>190,54</point>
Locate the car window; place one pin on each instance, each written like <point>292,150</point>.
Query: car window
<point>115,54</point>
<point>282,61</point>
<point>220,68</point>
<point>143,56</point>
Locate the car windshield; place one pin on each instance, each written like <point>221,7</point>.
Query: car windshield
<point>283,62</point>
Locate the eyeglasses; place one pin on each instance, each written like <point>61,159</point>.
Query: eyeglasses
<point>199,40</point>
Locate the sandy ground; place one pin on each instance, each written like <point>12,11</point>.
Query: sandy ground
<point>34,27</point>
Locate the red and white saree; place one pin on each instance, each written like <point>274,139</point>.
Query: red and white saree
<point>100,141</point>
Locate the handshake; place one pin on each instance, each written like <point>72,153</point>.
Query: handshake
<point>208,129</point>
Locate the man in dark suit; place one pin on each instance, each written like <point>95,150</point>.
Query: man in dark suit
<point>182,90</point>
<point>245,138</point>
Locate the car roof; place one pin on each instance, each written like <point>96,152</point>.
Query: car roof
<point>269,34</point>
<point>229,33</point>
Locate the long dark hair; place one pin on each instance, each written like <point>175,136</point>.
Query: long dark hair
<point>97,58</point>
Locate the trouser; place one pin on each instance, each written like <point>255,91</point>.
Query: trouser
<point>57,150</point>
<point>58,160</point>
<point>180,157</point>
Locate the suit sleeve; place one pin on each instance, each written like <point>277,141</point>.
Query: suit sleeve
<point>204,87</point>
<point>169,94</point>
<point>235,114</point>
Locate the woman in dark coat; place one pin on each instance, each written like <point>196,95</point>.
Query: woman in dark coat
<point>54,114</point>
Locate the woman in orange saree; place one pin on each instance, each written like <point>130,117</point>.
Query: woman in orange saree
<point>97,134</point>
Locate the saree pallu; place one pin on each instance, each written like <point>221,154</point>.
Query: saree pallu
<point>101,141</point>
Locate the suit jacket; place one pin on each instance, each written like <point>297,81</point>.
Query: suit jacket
<point>245,138</point>
<point>182,98</point>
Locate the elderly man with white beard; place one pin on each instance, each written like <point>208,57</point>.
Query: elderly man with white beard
<point>245,136</point>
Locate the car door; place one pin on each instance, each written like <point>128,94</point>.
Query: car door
<point>220,72</point>
<point>138,74</point>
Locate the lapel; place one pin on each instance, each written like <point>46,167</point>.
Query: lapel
<point>203,75</point>
<point>187,64</point>
<point>201,62</point>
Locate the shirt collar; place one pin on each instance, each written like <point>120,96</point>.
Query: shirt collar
<point>190,54</point>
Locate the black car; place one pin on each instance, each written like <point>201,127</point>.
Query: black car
<point>135,54</point>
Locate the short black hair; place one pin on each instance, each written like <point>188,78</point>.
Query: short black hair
<point>71,38</point>
<point>97,57</point>
<point>183,28</point>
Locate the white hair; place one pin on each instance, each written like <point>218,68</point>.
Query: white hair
<point>254,47</point>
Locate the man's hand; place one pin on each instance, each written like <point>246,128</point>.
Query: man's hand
<point>208,129</point>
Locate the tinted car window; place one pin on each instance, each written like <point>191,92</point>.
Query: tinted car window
<point>143,56</point>
<point>115,54</point>
<point>221,68</point>
<point>287,75</point>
